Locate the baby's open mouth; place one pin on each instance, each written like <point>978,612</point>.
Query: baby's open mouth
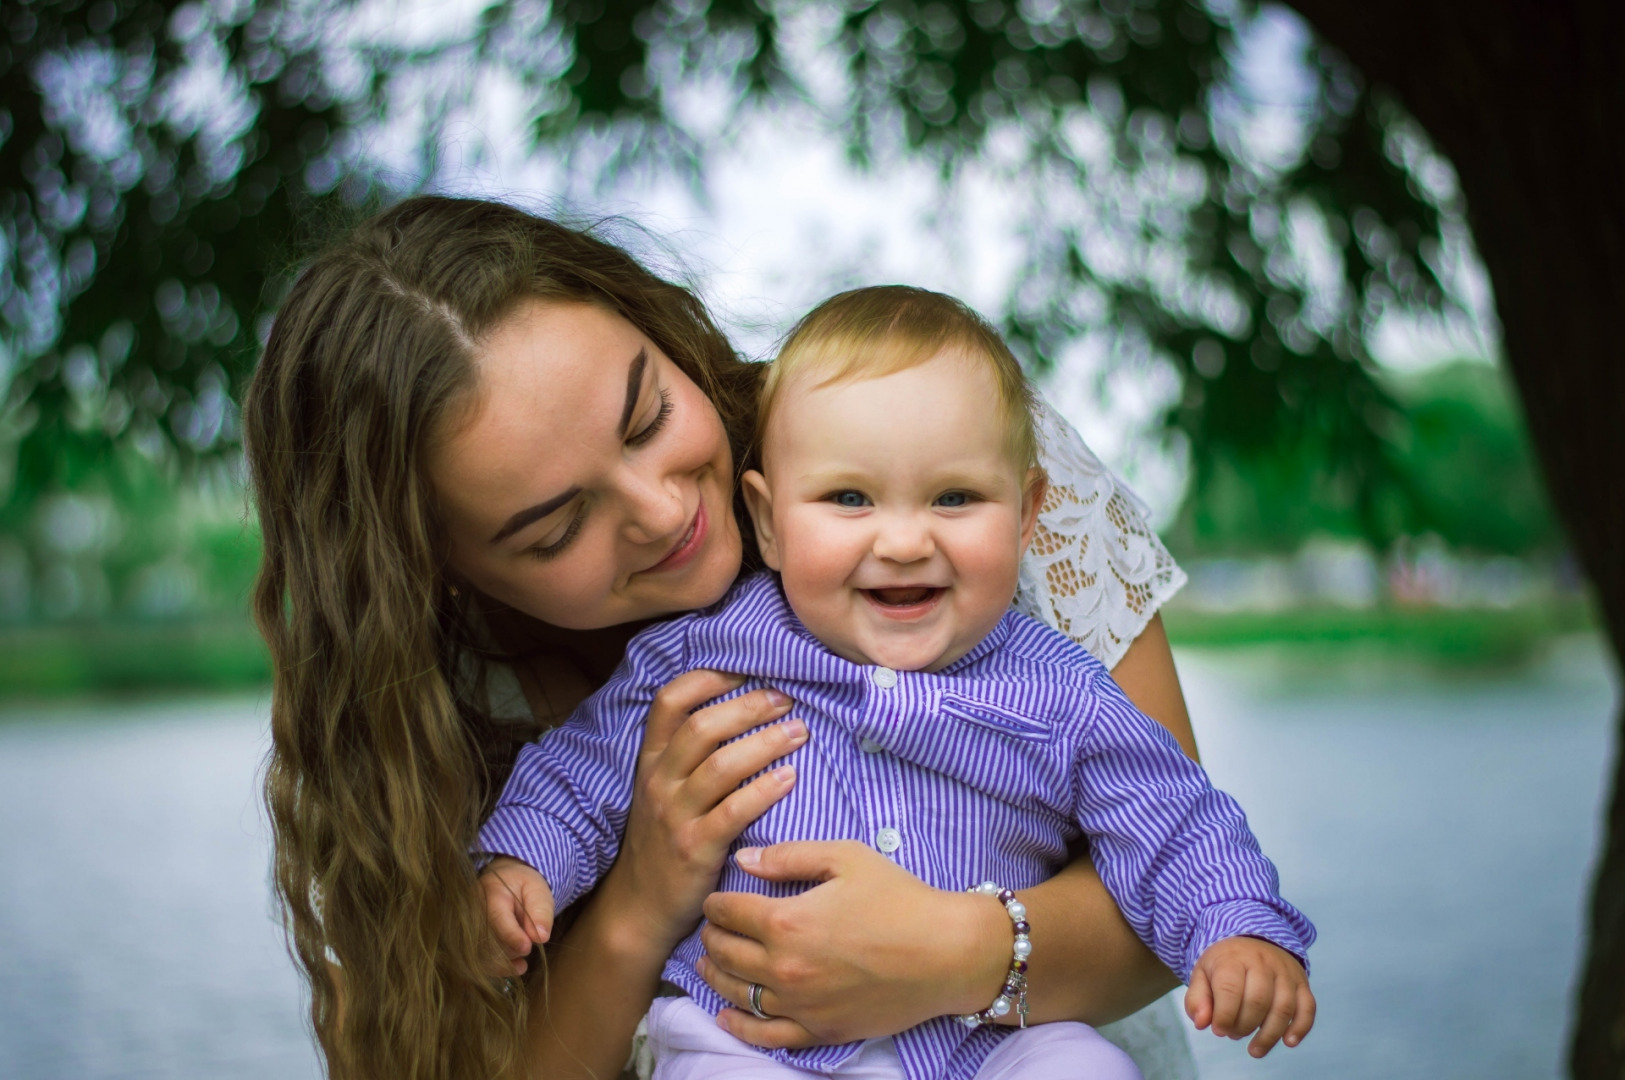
<point>907,596</point>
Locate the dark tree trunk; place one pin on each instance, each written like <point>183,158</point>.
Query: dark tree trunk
<point>1528,100</point>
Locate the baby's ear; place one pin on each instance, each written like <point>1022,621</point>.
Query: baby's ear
<point>759,501</point>
<point>1032,500</point>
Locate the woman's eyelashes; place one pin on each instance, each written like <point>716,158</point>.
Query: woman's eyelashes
<point>652,428</point>
<point>648,431</point>
<point>543,552</point>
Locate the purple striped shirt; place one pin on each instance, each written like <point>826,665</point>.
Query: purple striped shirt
<point>984,770</point>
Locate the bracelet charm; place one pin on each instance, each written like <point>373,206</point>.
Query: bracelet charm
<point>1014,993</point>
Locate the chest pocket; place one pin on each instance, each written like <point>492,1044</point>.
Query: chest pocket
<point>1012,757</point>
<point>995,718</point>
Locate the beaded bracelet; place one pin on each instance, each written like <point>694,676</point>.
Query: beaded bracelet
<point>1014,993</point>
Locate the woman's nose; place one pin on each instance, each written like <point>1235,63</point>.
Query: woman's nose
<point>903,538</point>
<point>654,508</point>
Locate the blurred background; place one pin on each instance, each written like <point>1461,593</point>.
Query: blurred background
<point>1246,274</point>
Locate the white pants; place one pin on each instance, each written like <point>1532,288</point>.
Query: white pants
<point>688,1045</point>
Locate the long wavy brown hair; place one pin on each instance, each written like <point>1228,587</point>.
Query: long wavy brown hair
<point>385,757</point>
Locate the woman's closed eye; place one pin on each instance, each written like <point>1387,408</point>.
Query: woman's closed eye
<point>652,428</point>
<point>553,548</point>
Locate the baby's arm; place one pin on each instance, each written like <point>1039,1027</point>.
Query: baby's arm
<point>519,905</point>
<point>565,804</point>
<point>1186,871</point>
<point>1246,984</point>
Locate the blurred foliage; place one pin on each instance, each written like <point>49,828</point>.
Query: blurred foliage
<point>1461,460</point>
<point>154,158</point>
<point>1470,638</point>
<point>157,159</point>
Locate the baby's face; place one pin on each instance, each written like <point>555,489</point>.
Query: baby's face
<point>894,511</point>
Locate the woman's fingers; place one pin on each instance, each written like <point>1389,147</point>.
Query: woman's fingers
<point>729,766</point>
<point>742,914</point>
<point>750,802</point>
<point>733,988</point>
<point>740,957</point>
<point>778,1033</point>
<point>707,728</point>
<point>677,699</point>
<point>801,860</point>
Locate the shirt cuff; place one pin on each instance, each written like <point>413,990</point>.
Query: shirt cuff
<point>541,842</point>
<point>1246,918</point>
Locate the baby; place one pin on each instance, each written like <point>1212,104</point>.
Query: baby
<point>970,744</point>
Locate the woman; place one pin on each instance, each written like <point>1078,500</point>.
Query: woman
<point>478,436</point>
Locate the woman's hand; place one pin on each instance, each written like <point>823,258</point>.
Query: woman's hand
<point>687,805</point>
<point>858,956</point>
<point>687,808</point>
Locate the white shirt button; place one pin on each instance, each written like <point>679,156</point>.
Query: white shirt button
<point>869,746</point>
<point>888,840</point>
<point>884,677</point>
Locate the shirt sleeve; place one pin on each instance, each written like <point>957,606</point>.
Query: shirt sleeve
<point>565,804</point>
<point>1175,852</point>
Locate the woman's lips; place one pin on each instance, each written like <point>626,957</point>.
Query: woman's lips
<point>903,602</point>
<point>688,547</point>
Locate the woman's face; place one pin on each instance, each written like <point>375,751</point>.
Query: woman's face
<point>588,481</point>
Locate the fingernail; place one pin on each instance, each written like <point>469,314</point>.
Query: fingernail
<point>795,728</point>
<point>749,856</point>
<point>778,698</point>
<point>784,773</point>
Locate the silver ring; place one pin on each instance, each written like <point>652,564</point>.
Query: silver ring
<point>754,998</point>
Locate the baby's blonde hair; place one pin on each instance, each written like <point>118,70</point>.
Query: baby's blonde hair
<point>883,329</point>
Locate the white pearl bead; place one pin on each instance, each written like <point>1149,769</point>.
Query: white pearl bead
<point>1022,949</point>
<point>987,888</point>
<point>1016,910</point>
<point>1000,1006</point>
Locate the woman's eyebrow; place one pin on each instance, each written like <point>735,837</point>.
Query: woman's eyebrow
<point>634,383</point>
<point>533,514</point>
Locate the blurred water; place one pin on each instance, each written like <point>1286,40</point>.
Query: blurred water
<point>135,928</point>
<point>1438,830</point>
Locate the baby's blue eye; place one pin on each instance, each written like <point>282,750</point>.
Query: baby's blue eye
<point>953,499</point>
<point>852,500</point>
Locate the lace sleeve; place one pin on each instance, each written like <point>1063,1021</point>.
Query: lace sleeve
<point>1095,571</point>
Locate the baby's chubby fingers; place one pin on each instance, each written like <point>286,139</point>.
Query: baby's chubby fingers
<point>1199,999</point>
<point>1257,997</point>
<point>1303,1015</point>
<point>1229,982</point>
<point>518,907</point>
<point>1276,1021</point>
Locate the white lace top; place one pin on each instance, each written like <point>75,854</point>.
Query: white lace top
<point>1095,571</point>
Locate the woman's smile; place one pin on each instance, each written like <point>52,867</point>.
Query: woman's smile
<point>688,547</point>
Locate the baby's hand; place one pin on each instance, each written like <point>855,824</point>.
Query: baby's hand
<point>1241,983</point>
<point>520,907</point>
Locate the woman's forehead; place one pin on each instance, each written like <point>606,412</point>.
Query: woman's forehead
<point>550,388</point>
